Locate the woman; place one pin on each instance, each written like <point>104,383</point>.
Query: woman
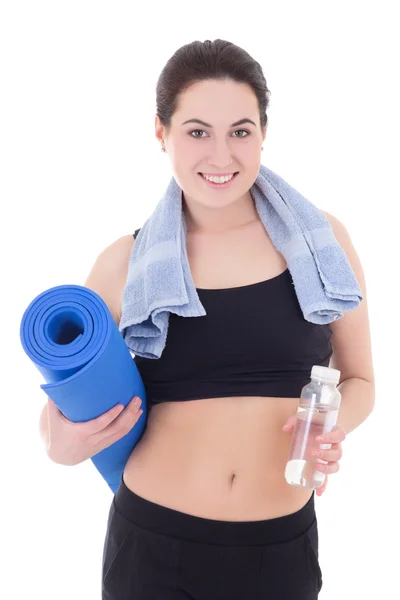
<point>203,510</point>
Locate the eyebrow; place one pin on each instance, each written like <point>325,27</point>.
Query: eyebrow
<point>208,125</point>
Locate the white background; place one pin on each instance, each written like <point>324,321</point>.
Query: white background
<point>80,167</point>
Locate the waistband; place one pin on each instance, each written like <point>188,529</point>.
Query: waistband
<point>182,526</point>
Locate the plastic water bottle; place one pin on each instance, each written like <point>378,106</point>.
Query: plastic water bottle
<point>316,414</point>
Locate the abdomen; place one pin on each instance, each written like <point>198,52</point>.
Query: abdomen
<point>218,458</point>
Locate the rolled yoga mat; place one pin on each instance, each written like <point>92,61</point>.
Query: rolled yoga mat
<point>71,337</point>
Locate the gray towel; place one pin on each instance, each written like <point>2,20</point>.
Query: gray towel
<point>159,279</point>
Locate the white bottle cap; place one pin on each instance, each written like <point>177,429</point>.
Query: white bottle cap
<point>325,373</point>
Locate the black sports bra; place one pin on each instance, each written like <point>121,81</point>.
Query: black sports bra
<point>253,341</point>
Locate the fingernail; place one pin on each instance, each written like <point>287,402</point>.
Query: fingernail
<point>137,401</point>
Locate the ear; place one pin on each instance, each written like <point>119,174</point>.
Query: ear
<point>159,130</point>
<point>264,130</point>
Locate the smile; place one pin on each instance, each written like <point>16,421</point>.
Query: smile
<point>215,181</point>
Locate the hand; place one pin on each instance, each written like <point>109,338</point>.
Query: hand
<point>331,455</point>
<point>70,443</point>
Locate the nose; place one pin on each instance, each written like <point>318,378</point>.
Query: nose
<point>221,155</point>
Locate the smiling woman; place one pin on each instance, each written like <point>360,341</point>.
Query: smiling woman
<point>203,509</point>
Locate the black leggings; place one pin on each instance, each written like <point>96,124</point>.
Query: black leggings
<point>152,552</point>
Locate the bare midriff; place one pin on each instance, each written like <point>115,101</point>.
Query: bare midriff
<point>217,458</point>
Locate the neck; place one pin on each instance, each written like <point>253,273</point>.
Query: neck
<point>209,220</point>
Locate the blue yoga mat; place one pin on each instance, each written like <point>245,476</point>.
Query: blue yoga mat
<point>71,337</point>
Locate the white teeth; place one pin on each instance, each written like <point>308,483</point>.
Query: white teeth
<point>218,179</point>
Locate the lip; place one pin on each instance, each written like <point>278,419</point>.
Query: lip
<point>219,174</point>
<point>220,186</point>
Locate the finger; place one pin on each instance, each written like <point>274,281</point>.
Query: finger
<point>118,433</point>
<point>337,434</point>
<point>101,422</point>
<point>332,467</point>
<point>120,426</point>
<point>332,455</point>
<point>290,423</point>
<point>321,489</point>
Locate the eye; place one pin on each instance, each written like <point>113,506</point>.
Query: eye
<point>242,130</point>
<point>236,131</point>
<point>195,131</point>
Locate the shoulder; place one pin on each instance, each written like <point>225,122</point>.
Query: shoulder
<point>351,340</point>
<point>344,240</point>
<point>338,227</point>
<point>117,253</point>
<point>109,272</point>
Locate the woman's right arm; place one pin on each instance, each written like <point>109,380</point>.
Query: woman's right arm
<point>44,427</point>
<point>70,443</point>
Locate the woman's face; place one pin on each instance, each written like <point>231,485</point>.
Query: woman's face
<point>216,147</point>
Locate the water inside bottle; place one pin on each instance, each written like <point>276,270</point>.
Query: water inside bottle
<point>311,421</point>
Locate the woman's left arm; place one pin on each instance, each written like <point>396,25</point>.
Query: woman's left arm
<point>352,355</point>
<point>351,344</point>
<point>357,402</point>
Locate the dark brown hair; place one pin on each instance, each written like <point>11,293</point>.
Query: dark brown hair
<point>197,61</point>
